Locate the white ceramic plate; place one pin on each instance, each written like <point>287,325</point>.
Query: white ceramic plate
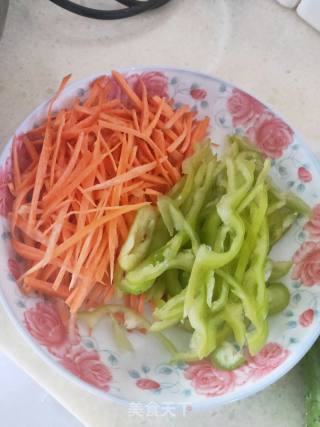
<point>145,377</point>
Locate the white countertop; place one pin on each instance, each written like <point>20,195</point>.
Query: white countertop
<point>256,44</point>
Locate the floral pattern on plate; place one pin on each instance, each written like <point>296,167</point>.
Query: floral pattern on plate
<point>46,327</point>
<point>210,381</point>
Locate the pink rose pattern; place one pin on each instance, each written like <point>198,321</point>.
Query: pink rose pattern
<point>304,175</point>
<point>306,318</point>
<point>198,94</point>
<point>87,366</point>
<point>270,133</point>
<point>46,327</point>
<point>272,136</point>
<point>15,268</point>
<point>313,225</point>
<point>269,358</point>
<point>211,382</point>
<point>156,84</point>
<point>147,384</point>
<point>243,108</point>
<point>208,380</point>
<point>307,264</point>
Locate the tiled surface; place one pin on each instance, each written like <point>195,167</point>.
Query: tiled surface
<point>23,403</point>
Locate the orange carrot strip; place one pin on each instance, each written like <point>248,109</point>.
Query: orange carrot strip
<point>141,304</point>
<point>178,141</point>
<point>187,140</point>
<point>71,164</point>
<point>127,89</point>
<point>147,132</point>
<point>114,212</point>
<point>52,242</point>
<point>62,271</point>
<point>127,176</point>
<point>135,120</point>
<point>45,287</point>
<point>32,152</point>
<point>152,192</point>
<point>200,131</point>
<point>41,171</point>
<point>176,116</point>
<point>75,179</point>
<point>56,149</point>
<point>145,107</point>
<point>56,95</point>
<point>16,167</point>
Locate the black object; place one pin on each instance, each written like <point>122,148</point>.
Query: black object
<point>133,7</point>
<point>3,14</point>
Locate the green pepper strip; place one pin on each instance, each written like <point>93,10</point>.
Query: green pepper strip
<point>190,167</point>
<point>203,340</point>
<point>280,222</point>
<point>143,276</point>
<point>275,206</point>
<point>93,317</point>
<point>209,230</point>
<point>139,238</point>
<point>170,313</point>
<point>210,285</point>
<point>257,213</point>
<point>157,291</point>
<point>291,200</point>
<point>258,187</point>
<point>171,278</point>
<point>208,260</point>
<point>243,144</point>
<point>207,329</point>
<point>261,251</point>
<point>233,315</point>
<point>173,304</point>
<point>279,269</point>
<point>220,238</point>
<point>257,338</point>
<point>174,220</point>
<point>220,302</point>
<point>160,236</point>
<point>248,302</point>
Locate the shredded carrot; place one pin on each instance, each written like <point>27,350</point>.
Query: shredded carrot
<point>90,167</point>
<point>176,116</point>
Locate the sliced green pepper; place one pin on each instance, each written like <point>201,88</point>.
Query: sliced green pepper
<point>136,246</point>
<point>257,338</point>
<point>173,285</point>
<point>219,303</point>
<point>209,230</point>
<point>207,260</point>
<point>279,297</point>
<point>175,221</point>
<point>279,222</point>
<point>143,276</point>
<point>227,357</point>
<point>257,213</point>
<point>279,269</point>
<point>160,236</point>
